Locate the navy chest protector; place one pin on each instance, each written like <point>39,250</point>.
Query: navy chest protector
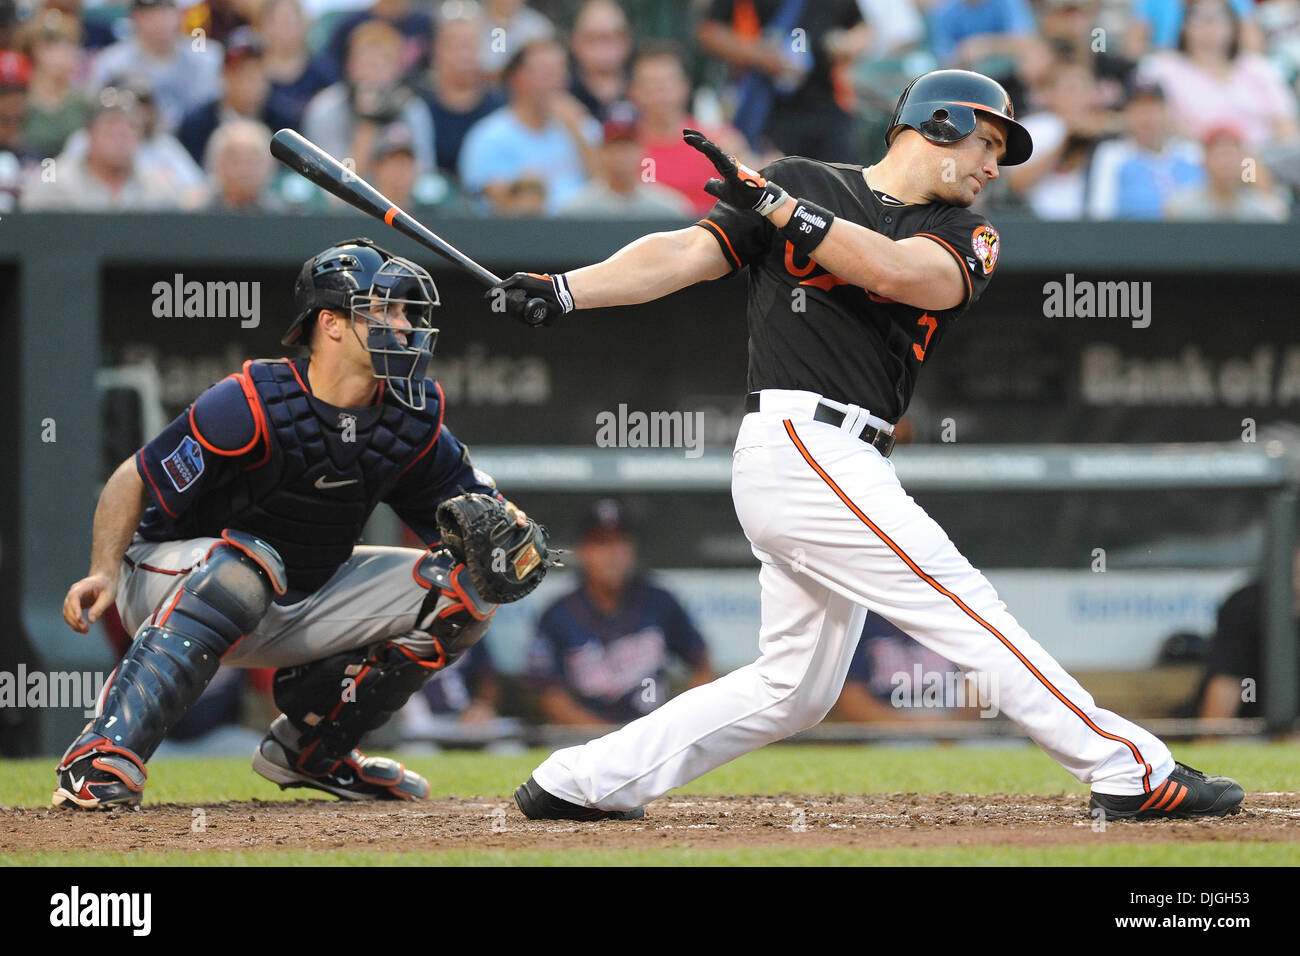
<point>313,489</point>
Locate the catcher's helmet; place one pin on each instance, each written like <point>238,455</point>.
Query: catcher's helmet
<point>358,277</point>
<point>941,106</point>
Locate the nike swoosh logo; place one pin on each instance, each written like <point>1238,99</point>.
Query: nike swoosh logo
<point>344,781</point>
<point>76,784</point>
<point>322,483</point>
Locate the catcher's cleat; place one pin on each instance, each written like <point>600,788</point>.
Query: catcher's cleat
<point>354,777</point>
<point>537,804</point>
<point>99,781</point>
<point>1184,793</point>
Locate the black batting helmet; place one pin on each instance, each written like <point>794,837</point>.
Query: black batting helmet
<point>941,106</point>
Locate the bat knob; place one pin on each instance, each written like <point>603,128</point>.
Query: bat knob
<point>536,311</point>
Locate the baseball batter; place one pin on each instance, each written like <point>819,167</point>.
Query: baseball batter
<point>229,538</point>
<point>855,275</point>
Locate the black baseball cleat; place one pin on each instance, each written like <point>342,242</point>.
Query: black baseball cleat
<point>1184,794</point>
<point>99,781</point>
<point>537,804</point>
<point>354,777</point>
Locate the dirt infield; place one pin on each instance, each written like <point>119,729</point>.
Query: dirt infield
<point>812,821</point>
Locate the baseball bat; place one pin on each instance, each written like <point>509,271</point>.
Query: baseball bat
<point>317,166</point>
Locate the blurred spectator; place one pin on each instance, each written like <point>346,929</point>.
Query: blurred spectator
<point>239,165</point>
<point>296,76</point>
<point>467,691</point>
<point>458,95</point>
<point>507,27</point>
<point>245,89</point>
<point>1227,194</point>
<point>793,90</point>
<point>602,651</point>
<point>1210,81</point>
<point>601,44</point>
<point>55,108</point>
<point>1054,182</point>
<point>534,153</point>
<point>1071,27</point>
<point>15,156</point>
<point>888,676</point>
<point>896,26</point>
<point>1157,24</point>
<point>1279,22</point>
<point>660,91</point>
<point>344,118</point>
<point>96,33</point>
<point>1236,651</point>
<point>107,177</point>
<point>970,33</point>
<point>618,189</point>
<point>217,19</point>
<point>161,156</point>
<point>413,24</point>
<point>392,164</point>
<point>1134,176</point>
<point>9,25</point>
<point>180,75</point>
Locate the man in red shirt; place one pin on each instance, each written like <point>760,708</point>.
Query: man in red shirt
<point>660,92</point>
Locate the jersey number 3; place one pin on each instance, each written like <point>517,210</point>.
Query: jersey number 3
<point>930,323</point>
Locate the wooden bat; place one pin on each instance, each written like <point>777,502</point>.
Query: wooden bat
<point>315,165</point>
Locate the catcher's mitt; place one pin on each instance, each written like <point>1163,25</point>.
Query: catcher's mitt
<point>506,560</point>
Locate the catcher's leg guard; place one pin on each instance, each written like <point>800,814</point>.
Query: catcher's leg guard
<point>166,669</point>
<point>329,704</point>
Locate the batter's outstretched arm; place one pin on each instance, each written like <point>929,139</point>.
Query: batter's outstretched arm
<point>121,505</point>
<point>649,268</point>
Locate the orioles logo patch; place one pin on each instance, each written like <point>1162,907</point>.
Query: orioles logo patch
<point>984,240</point>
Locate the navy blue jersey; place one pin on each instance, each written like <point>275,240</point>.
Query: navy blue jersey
<point>258,452</point>
<point>454,688</point>
<point>889,661</point>
<point>605,662</point>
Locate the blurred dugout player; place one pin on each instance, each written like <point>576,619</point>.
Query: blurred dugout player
<point>1235,652</point>
<point>602,652</point>
<point>888,677</point>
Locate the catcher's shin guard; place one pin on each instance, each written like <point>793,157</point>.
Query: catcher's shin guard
<point>330,704</point>
<point>166,669</point>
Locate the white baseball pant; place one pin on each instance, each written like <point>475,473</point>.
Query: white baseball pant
<point>836,533</point>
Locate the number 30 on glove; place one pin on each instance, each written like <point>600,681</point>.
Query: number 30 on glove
<point>505,560</point>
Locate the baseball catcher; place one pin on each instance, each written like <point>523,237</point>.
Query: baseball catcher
<point>231,538</point>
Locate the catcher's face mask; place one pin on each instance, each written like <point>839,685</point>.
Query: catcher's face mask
<point>398,311</point>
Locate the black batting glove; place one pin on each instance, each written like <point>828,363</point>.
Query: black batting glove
<point>532,298</point>
<point>739,186</point>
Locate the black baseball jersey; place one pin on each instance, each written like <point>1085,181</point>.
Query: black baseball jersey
<point>811,330</point>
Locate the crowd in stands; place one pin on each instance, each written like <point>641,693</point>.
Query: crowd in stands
<point>1139,109</point>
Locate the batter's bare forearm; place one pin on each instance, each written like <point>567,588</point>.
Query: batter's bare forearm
<point>649,268</point>
<point>121,505</point>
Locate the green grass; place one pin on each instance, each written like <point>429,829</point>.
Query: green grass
<point>781,769</point>
<point>773,770</point>
<point>1112,854</point>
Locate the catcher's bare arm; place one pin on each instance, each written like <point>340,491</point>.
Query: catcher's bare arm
<point>120,507</point>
